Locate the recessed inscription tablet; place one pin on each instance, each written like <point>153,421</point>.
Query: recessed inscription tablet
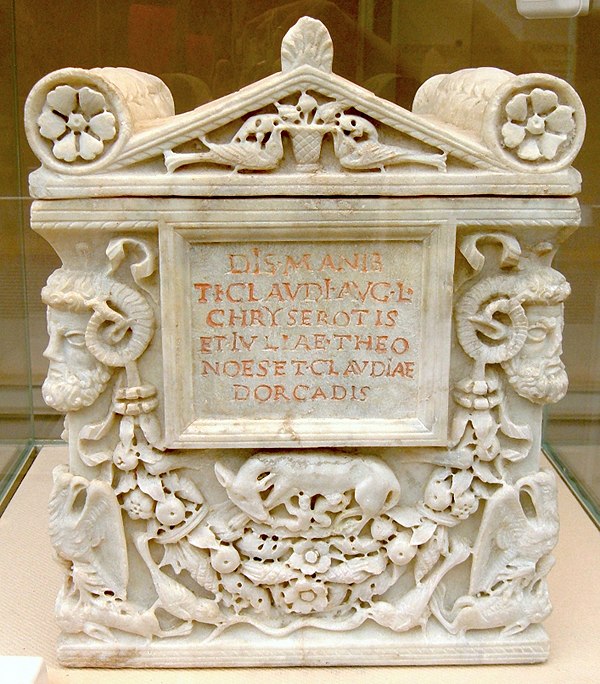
<point>317,329</point>
<point>311,341</point>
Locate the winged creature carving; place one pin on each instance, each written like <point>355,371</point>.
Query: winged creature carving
<point>357,146</point>
<point>174,597</point>
<point>518,530</point>
<point>257,146</point>
<point>86,531</point>
<point>258,143</point>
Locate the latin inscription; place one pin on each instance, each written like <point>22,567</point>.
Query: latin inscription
<point>306,329</point>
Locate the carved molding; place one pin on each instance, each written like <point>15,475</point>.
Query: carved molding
<point>91,125</point>
<point>431,525</point>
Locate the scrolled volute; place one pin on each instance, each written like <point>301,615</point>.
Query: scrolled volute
<point>121,326</point>
<point>531,123</point>
<point>78,121</point>
<point>491,324</point>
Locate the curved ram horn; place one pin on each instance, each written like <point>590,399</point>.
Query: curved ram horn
<point>121,326</point>
<point>477,314</point>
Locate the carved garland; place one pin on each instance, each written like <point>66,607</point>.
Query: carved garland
<point>322,538</point>
<point>82,121</point>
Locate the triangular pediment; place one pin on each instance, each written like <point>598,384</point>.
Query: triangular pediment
<point>305,130</point>
<point>368,132</point>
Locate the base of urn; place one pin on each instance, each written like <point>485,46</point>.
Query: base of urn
<point>367,645</point>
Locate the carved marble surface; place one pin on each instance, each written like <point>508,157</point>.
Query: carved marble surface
<point>313,419</point>
<point>477,131</point>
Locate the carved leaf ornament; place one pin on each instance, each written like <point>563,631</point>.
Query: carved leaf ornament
<point>307,42</point>
<point>79,122</point>
<point>450,538</point>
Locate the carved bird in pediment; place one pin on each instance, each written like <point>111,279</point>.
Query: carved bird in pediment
<point>356,144</point>
<point>257,146</point>
<point>518,530</point>
<point>86,530</point>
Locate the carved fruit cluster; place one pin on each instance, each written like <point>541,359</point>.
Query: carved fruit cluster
<point>297,575</point>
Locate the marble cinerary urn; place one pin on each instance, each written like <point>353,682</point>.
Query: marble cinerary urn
<point>303,337</point>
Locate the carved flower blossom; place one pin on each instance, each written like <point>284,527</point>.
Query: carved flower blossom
<point>127,456</point>
<point>138,505</point>
<point>306,596</point>
<point>310,557</point>
<point>537,124</point>
<point>77,121</point>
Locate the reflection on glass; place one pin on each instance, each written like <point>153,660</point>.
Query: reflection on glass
<point>203,50</point>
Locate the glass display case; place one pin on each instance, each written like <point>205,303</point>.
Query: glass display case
<point>388,46</point>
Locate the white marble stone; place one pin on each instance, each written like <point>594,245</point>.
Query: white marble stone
<point>303,361</point>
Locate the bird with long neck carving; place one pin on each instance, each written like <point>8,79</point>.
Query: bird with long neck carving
<point>86,531</point>
<point>257,146</point>
<point>357,147</point>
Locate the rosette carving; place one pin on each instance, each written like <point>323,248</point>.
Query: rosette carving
<point>533,122</point>
<point>538,125</point>
<point>78,121</point>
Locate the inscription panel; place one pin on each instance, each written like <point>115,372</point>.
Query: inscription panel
<point>303,325</point>
<point>314,338</point>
